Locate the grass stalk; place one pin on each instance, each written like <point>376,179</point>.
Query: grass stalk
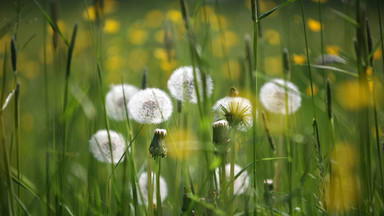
<point>381,31</point>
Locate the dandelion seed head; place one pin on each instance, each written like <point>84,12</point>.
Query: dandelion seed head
<point>272,96</point>
<point>114,100</point>
<point>101,150</point>
<point>241,183</point>
<point>236,110</point>
<point>143,184</point>
<point>181,84</point>
<point>150,106</point>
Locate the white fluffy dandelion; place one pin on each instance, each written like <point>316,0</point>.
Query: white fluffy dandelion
<point>150,106</point>
<point>241,183</point>
<point>181,84</point>
<point>236,110</point>
<point>100,148</point>
<point>272,96</point>
<point>143,184</point>
<point>114,100</point>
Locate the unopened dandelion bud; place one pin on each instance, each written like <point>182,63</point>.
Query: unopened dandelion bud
<point>268,184</point>
<point>158,147</point>
<point>233,92</point>
<point>144,78</point>
<point>267,131</point>
<point>329,99</point>
<point>287,64</point>
<point>221,133</point>
<point>369,42</point>
<point>179,106</point>
<point>13,54</point>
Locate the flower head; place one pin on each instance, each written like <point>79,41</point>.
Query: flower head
<point>241,183</point>
<point>236,110</point>
<point>150,106</point>
<point>272,96</point>
<point>143,184</point>
<point>181,84</point>
<point>100,147</point>
<point>158,147</point>
<point>115,103</point>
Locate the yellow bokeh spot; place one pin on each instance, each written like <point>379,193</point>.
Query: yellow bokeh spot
<point>298,59</point>
<point>27,121</point>
<point>89,13</point>
<point>314,25</point>
<point>30,69</point>
<point>137,59</point>
<point>369,71</point>
<point>154,18</point>
<point>161,54</point>
<point>274,65</point>
<point>218,22</point>
<point>174,15</point>
<point>272,36</point>
<point>137,36</point>
<point>167,66</point>
<point>205,14</point>
<point>351,95</point>
<point>331,49</point>
<point>228,39</point>
<point>308,90</point>
<point>181,144</point>
<point>341,189</point>
<point>110,6</point>
<point>111,26</point>
<point>234,67</point>
<point>61,25</point>
<point>377,55</point>
<point>114,63</point>
<point>217,48</point>
<point>4,42</point>
<point>160,36</point>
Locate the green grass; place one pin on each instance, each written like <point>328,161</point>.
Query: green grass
<point>59,58</point>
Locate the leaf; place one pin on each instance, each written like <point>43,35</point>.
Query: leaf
<point>264,15</point>
<point>345,17</point>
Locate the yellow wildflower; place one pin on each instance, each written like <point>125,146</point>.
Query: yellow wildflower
<point>272,37</point>
<point>111,26</point>
<point>154,18</point>
<point>298,59</point>
<point>314,25</point>
<point>332,49</point>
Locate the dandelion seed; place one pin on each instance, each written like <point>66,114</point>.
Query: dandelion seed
<point>150,106</point>
<point>181,84</point>
<point>143,184</point>
<point>272,96</point>
<point>241,183</point>
<point>115,106</point>
<point>236,110</point>
<point>101,149</point>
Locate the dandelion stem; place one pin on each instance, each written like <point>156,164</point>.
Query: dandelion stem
<point>158,194</point>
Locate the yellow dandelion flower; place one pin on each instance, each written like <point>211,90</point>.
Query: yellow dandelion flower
<point>228,39</point>
<point>160,36</point>
<point>89,13</point>
<point>111,26</point>
<point>351,95</point>
<point>377,55</point>
<point>160,53</point>
<point>368,71</point>
<point>174,15</point>
<point>314,25</point>
<point>154,18</point>
<point>308,90</point>
<point>332,49</point>
<point>137,36</point>
<point>217,48</point>
<point>298,59</point>
<point>272,37</point>
<point>274,65</point>
<point>167,66</point>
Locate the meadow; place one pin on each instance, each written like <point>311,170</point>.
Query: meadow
<point>191,107</point>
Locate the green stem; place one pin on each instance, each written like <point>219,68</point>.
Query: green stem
<point>158,194</point>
